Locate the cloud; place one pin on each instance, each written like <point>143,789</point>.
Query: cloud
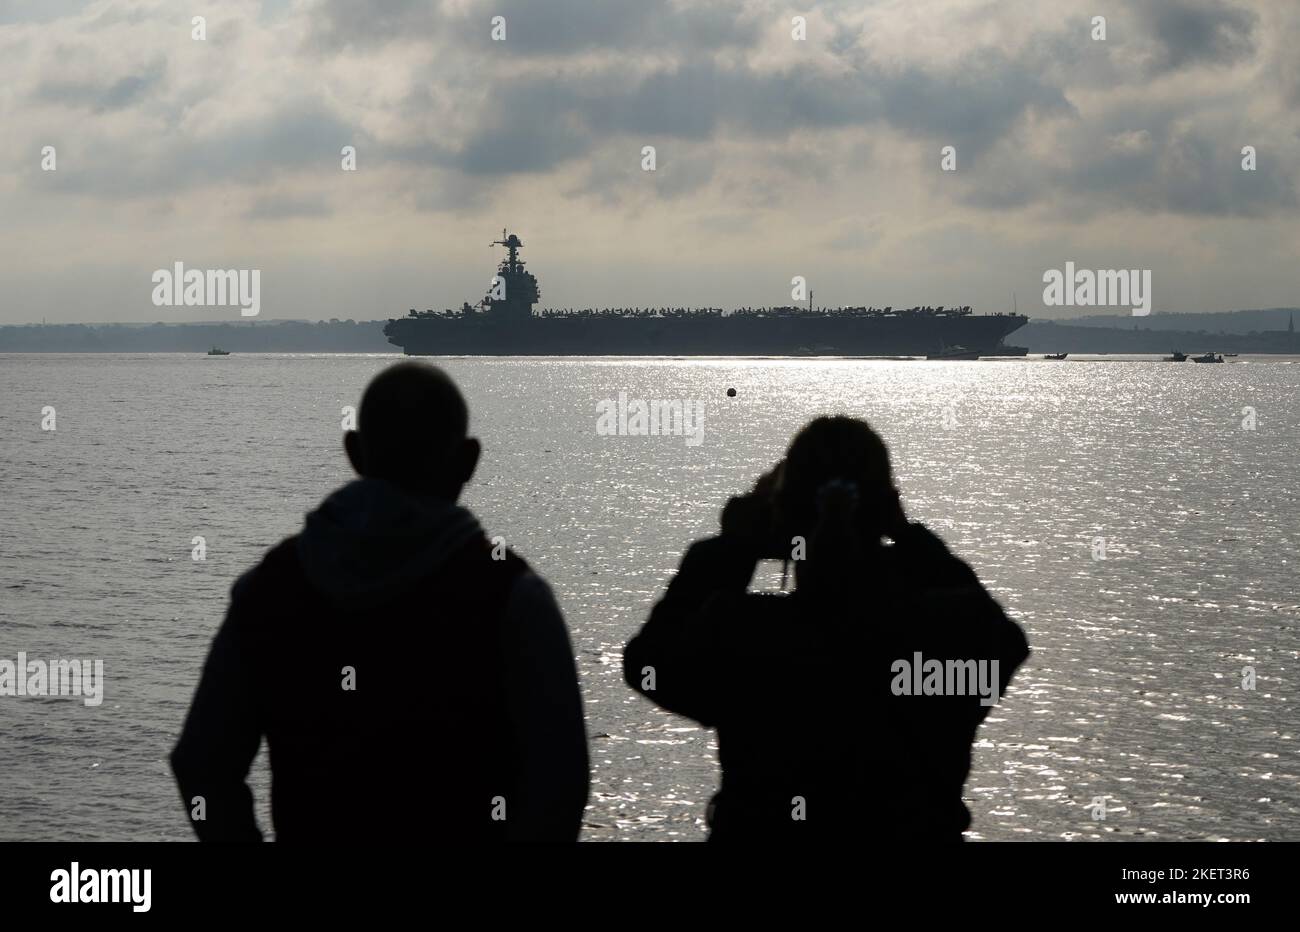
<point>574,78</point>
<point>98,96</point>
<point>757,135</point>
<point>1197,32</point>
<point>254,152</point>
<point>533,29</point>
<point>336,25</point>
<point>288,206</point>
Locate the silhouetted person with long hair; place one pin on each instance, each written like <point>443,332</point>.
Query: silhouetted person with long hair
<point>412,679</point>
<point>824,732</point>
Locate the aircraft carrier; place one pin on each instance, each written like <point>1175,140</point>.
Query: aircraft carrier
<point>505,323</point>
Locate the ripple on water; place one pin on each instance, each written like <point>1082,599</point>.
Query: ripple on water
<point>1133,694</point>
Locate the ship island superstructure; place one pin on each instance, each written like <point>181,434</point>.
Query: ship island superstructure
<point>504,323</point>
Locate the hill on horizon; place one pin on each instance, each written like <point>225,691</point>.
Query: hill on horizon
<point>1245,321</point>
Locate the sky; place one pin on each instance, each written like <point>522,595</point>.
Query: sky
<point>775,157</point>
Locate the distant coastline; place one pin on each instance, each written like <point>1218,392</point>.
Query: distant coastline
<point>268,336</point>
<point>1247,331</point>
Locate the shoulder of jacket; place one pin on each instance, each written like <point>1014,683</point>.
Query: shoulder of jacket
<point>273,563</point>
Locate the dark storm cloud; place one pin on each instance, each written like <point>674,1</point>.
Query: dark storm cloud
<point>1197,32</point>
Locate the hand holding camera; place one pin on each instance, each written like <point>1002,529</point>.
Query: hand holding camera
<point>755,519</point>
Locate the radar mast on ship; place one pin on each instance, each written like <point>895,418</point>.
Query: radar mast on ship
<point>514,291</point>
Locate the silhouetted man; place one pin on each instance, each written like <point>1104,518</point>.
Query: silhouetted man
<point>412,680</point>
<point>845,710</point>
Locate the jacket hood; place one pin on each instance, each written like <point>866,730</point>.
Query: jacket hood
<point>372,540</point>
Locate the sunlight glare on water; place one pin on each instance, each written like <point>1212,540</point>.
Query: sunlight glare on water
<point>1133,692</point>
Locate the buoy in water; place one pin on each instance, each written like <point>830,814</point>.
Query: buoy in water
<point>731,393</point>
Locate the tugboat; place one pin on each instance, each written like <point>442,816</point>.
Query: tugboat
<point>505,323</point>
<point>1056,355</point>
<point>217,352</point>
<point>1176,357</point>
<point>1208,357</point>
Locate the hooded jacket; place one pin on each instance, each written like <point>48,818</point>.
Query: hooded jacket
<point>411,680</point>
<point>815,738</point>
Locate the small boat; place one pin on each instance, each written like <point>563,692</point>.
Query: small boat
<point>1208,357</point>
<point>1176,357</point>
<point>1056,355</point>
<point>954,352</point>
<point>217,352</point>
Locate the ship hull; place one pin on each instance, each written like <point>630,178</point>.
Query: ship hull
<point>704,335</point>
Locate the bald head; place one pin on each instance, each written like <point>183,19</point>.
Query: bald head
<point>413,431</point>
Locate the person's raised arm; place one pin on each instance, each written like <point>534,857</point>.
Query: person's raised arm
<point>671,661</point>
